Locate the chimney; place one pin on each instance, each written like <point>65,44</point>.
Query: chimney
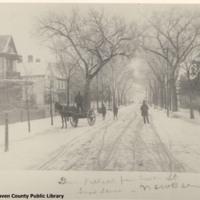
<point>37,60</point>
<point>30,58</point>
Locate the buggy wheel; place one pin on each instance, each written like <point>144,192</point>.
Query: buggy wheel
<point>73,121</point>
<point>91,117</point>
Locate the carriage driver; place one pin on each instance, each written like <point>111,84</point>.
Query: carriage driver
<point>79,101</point>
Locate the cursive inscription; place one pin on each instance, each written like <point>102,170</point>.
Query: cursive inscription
<point>123,184</point>
<point>126,180</point>
<point>99,181</point>
<point>64,180</point>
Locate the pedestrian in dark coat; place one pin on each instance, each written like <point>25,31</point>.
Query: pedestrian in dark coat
<point>79,101</point>
<point>144,109</point>
<point>103,109</point>
<point>115,111</point>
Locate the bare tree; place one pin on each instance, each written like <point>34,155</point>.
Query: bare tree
<point>172,36</point>
<point>124,85</point>
<point>66,64</point>
<point>95,38</point>
<point>187,66</point>
<point>158,68</point>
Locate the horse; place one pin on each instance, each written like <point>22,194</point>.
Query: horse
<point>62,111</point>
<point>65,112</point>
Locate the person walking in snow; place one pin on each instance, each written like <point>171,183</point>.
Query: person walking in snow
<point>103,109</point>
<point>115,111</point>
<point>144,109</point>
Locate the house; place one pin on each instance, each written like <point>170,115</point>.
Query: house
<point>46,81</point>
<point>10,87</point>
<point>55,83</point>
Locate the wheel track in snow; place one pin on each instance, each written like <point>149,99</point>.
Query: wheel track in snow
<point>123,145</point>
<point>142,149</point>
<point>159,158</point>
<point>96,156</point>
<point>158,152</point>
<point>101,161</point>
<point>62,150</point>
<point>65,150</point>
<point>112,151</point>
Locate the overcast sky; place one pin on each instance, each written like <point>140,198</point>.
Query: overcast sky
<point>18,19</point>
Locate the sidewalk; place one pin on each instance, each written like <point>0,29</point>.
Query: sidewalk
<point>180,134</point>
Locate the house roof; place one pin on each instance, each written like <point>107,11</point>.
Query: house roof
<point>32,69</point>
<point>5,41</point>
<point>7,47</point>
<point>38,69</point>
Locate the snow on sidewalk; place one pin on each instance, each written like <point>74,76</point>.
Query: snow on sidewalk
<point>27,150</point>
<point>181,135</point>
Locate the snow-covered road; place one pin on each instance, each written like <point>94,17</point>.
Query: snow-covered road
<point>126,144</point>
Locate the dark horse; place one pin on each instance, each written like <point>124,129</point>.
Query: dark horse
<point>65,112</point>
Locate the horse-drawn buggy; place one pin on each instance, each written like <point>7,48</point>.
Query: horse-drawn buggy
<point>72,114</point>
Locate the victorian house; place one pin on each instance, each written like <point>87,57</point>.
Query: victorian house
<point>47,81</point>
<point>10,82</point>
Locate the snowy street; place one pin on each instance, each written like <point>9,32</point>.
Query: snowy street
<point>126,144</point>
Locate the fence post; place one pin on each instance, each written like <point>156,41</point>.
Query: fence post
<point>6,132</point>
<point>22,115</point>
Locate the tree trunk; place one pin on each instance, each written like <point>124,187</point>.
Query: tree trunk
<point>102,94</point>
<point>113,96</point>
<point>191,108</point>
<point>165,97</point>
<point>168,97</point>
<point>162,95</point>
<point>174,101</point>
<point>118,97</point>
<point>86,102</point>
<point>27,107</point>
<point>68,90</point>
<point>51,108</point>
<point>97,92</point>
<point>191,96</point>
<point>109,98</point>
<point>124,99</point>
<point>174,96</point>
<point>150,97</point>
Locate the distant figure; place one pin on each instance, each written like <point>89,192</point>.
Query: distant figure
<point>79,101</point>
<point>144,109</point>
<point>103,109</point>
<point>115,111</point>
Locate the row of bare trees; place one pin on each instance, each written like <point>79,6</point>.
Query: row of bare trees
<point>114,83</point>
<point>171,45</point>
<point>93,48</point>
<point>89,45</point>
